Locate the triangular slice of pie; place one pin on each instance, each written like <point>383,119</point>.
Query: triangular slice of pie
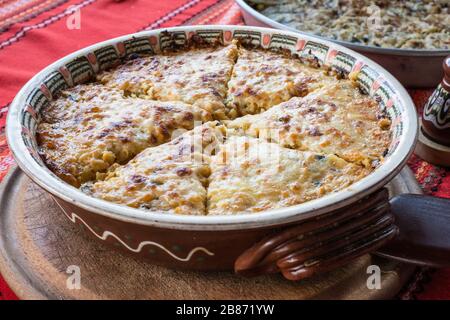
<point>336,119</point>
<point>262,79</point>
<point>197,76</point>
<point>170,178</point>
<point>91,127</point>
<point>252,175</point>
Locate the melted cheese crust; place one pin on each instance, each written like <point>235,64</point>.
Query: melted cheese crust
<point>169,178</point>
<point>304,133</point>
<point>92,127</point>
<point>336,119</point>
<point>262,79</point>
<point>251,175</point>
<point>197,76</point>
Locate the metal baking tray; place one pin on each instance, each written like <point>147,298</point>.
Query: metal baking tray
<point>413,68</point>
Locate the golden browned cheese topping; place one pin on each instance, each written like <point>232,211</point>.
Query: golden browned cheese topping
<point>169,178</point>
<point>197,76</point>
<point>262,79</point>
<point>285,133</point>
<point>250,175</point>
<point>92,127</point>
<point>336,119</point>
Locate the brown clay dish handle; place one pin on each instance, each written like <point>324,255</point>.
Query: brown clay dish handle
<point>330,241</point>
<point>322,243</point>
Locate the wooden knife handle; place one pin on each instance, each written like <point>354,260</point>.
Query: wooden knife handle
<point>421,235</point>
<point>424,236</point>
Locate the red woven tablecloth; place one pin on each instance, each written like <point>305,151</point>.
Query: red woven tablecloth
<point>34,33</point>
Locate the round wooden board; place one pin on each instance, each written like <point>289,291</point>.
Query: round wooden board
<point>38,244</point>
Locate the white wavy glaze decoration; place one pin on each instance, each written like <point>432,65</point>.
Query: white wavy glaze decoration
<point>73,217</point>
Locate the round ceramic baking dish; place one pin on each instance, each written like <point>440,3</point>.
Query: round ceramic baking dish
<point>413,68</point>
<point>199,242</point>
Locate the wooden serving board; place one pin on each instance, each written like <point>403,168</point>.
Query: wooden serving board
<point>38,244</point>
